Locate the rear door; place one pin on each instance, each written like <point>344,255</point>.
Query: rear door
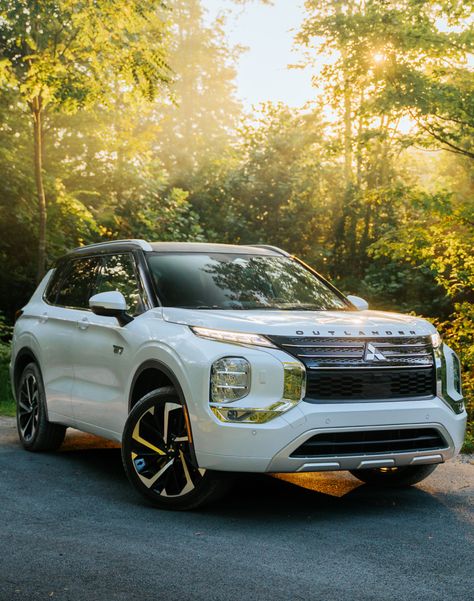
<point>103,351</point>
<point>66,301</point>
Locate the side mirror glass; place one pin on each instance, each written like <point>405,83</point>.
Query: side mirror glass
<point>111,304</point>
<point>359,303</point>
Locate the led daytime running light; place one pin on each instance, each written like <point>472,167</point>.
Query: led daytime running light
<point>232,337</point>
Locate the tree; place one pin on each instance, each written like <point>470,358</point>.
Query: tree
<point>335,33</point>
<point>275,186</point>
<point>423,51</point>
<point>64,55</point>
<point>202,119</point>
<point>413,57</point>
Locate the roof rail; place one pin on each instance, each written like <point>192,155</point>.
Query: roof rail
<point>280,251</point>
<point>143,244</point>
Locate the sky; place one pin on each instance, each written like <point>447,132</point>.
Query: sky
<point>267,32</point>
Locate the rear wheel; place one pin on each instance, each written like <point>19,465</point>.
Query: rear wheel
<point>35,431</point>
<point>394,477</point>
<point>158,458</point>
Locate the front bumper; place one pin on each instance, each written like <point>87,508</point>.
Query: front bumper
<point>268,447</point>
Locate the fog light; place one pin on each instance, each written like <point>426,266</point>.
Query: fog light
<point>230,379</point>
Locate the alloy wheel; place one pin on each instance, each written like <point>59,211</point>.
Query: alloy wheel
<point>160,451</point>
<point>29,407</point>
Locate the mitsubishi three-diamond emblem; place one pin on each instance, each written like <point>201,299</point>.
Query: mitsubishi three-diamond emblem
<point>373,354</point>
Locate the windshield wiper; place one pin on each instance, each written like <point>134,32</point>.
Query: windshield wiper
<point>298,307</point>
<point>198,307</point>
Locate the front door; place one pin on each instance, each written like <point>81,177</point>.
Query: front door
<point>104,352</point>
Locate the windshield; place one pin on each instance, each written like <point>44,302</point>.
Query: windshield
<point>232,281</point>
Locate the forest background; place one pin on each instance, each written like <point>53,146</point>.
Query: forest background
<point>122,119</point>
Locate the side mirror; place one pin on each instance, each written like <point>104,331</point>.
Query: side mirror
<point>111,304</point>
<point>359,303</point>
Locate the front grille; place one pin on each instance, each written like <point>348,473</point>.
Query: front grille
<point>367,384</point>
<point>365,368</point>
<point>335,444</point>
<point>366,351</point>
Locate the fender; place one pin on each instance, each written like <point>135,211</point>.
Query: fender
<point>160,366</point>
<point>26,352</point>
<point>23,352</point>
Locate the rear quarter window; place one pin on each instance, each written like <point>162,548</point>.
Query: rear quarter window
<point>78,283</point>
<point>54,284</point>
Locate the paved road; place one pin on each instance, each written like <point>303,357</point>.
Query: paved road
<point>72,529</point>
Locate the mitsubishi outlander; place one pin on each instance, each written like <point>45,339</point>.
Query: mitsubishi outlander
<point>208,359</point>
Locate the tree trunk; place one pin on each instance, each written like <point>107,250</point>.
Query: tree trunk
<point>347,133</point>
<point>36,110</point>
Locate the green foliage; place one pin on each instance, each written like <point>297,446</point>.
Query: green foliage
<point>410,57</point>
<point>69,53</point>
<point>201,121</point>
<point>458,332</point>
<point>6,398</point>
<point>165,218</point>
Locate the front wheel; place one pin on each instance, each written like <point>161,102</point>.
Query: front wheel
<point>158,459</point>
<point>394,477</point>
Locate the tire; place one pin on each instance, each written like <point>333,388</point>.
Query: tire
<point>394,477</point>
<point>158,457</point>
<point>35,431</point>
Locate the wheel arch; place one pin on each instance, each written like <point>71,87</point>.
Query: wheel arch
<point>154,374</point>
<point>150,375</point>
<point>22,359</point>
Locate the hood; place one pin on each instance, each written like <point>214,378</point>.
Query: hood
<point>303,323</point>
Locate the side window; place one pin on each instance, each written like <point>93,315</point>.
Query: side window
<point>78,284</point>
<point>118,272</point>
<point>54,284</point>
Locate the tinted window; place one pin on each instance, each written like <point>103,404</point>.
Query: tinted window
<point>55,283</point>
<point>230,281</point>
<point>78,285</point>
<point>118,273</point>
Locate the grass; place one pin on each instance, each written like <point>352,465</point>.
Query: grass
<point>7,403</point>
<point>7,408</point>
<point>468,446</point>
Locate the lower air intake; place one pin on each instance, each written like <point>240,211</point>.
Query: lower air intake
<point>367,384</point>
<point>335,444</point>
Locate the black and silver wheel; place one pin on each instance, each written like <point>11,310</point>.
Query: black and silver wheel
<point>35,431</point>
<point>158,458</point>
<point>394,477</point>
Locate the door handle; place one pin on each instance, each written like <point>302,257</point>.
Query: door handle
<point>83,324</point>
<point>43,317</point>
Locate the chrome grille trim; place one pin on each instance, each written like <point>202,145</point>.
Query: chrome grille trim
<point>364,366</point>
<point>326,353</point>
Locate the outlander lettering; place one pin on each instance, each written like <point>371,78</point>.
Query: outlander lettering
<point>361,333</point>
<point>207,359</point>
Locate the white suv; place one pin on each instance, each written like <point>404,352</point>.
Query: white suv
<point>208,359</point>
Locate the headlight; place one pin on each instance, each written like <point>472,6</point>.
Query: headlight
<point>232,337</point>
<point>230,379</point>
<point>436,340</point>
